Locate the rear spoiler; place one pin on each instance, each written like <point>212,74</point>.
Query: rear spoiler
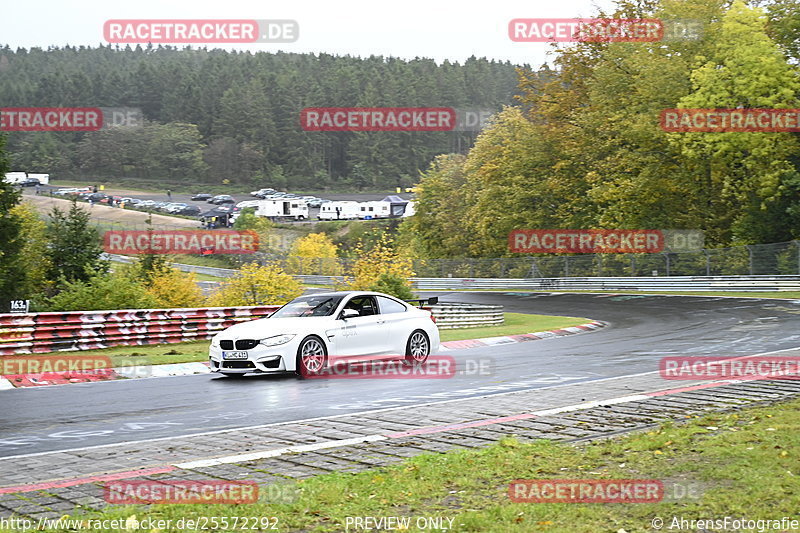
<point>433,300</point>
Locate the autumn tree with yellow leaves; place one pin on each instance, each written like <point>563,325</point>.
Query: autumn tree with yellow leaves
<point>257,285</point>
<point>314,254</point>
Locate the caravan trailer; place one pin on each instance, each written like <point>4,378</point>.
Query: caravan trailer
<point>276,209</point>
<point>15,177</point>
<point>375,209</point>
<point>342,210</point>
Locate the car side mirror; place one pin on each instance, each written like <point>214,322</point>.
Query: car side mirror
<point>349,313</point>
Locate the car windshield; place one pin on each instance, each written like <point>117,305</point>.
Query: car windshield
<point>317,305</point>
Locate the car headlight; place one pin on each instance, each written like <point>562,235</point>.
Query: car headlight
<point>277,339</point>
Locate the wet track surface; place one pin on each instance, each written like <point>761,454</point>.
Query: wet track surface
<point>642,330</point>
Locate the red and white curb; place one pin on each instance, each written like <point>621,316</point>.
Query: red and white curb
<point>525,337</point>
<point>102,374</point>
<point>188,369</point>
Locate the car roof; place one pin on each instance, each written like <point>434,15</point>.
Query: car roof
<point>351,293</point>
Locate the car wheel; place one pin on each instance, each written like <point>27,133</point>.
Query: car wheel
<point>418,348</point>
<point>312,356</point>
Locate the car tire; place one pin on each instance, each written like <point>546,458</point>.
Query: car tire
<point>312,357</point>
<point>418,348</point>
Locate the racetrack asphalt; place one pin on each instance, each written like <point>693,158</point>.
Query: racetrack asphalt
<point>642,329</point>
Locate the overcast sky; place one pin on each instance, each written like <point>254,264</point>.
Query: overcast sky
<point>441,29</point>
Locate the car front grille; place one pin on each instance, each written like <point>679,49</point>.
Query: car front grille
<point>246,344</point>
<point>238,364</point>
<point>226,345</point>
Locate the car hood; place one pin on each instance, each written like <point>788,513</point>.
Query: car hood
<point>267,327</point>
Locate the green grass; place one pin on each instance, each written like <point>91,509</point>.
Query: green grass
<point>515,324</point>
<point>186,352</point>
<point>737,464</point>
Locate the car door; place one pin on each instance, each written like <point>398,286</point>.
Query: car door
<point>397,325</point>
<point>359,335</point>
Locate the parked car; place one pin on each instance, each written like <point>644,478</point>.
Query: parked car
<point>299,336</point>
<point>29,182</point>
<point>97,197</point>
<point>317,202</point>
<point>189,210</point>
<point>222,199</point>
<point>201,196</point>
<point>262,192</point>
<point>144,204</point>
<point>63,192</point>
<point>174,207</point>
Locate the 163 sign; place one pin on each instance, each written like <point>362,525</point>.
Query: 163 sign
<point>19,306</point>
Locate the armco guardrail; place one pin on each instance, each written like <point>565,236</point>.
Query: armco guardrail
<point>745,283</point>
<point>675,283</point>
<point>450,316</point>
<point>87,330</point>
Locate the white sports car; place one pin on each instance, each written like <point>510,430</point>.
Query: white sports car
<point>301,335</point>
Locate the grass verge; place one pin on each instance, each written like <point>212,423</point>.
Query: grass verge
<point>515,324</point>
<point>186,352</point>
<point>737,465</point>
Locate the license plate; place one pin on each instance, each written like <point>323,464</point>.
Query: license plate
<point>234,355</point>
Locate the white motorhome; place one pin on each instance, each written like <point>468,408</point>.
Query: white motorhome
<point>374,209</point>
<point>292,208</point>
<point>341,210</point>
<point>15,177</point>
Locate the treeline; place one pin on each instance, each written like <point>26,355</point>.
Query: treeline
<point>586,150</point>
<point>214,115</point>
